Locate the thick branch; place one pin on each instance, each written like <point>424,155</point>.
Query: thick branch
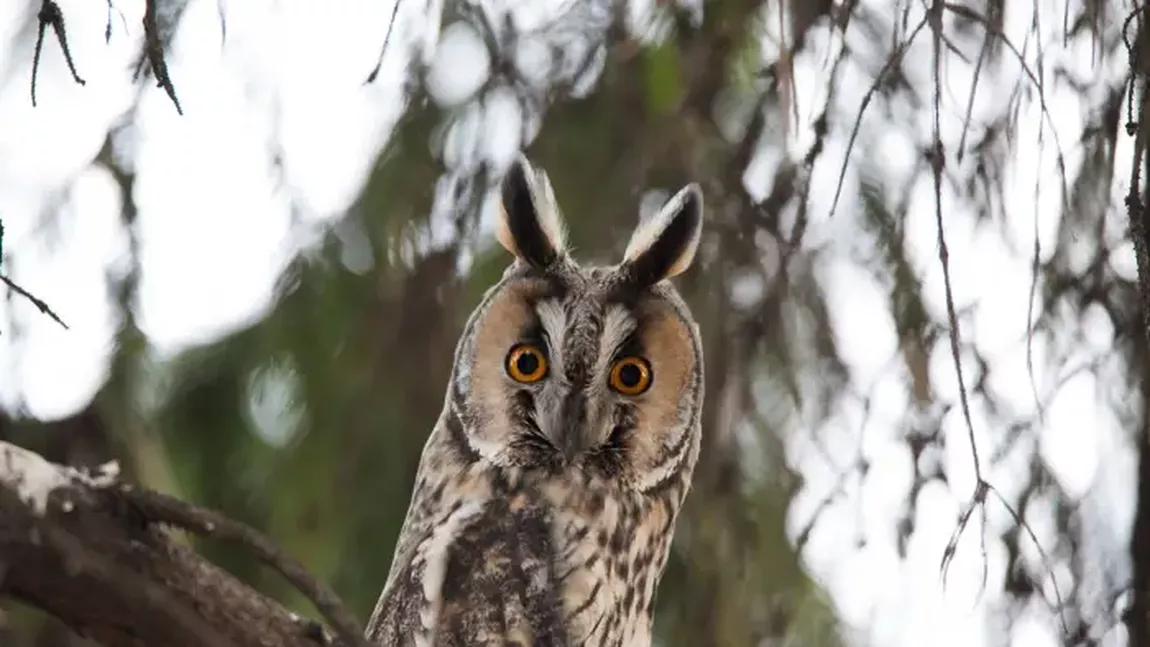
<point>79,549</point>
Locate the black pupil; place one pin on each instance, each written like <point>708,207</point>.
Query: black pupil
<point>630,375</point>
<point>527,363</point>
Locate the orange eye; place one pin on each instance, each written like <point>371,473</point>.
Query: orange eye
<point>631,375</point>
<point>526,363</point>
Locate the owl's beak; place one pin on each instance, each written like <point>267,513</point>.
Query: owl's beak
<point>572,426</point>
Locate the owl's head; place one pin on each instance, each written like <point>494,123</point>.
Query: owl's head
<point>596,369</point>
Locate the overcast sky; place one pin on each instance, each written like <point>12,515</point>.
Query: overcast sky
<point>214,233</point>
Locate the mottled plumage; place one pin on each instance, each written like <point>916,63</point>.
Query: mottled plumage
<point>547,493</point>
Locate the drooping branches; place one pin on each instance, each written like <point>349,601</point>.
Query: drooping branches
<point>50,16</point>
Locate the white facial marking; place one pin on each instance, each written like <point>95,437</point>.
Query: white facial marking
<point>554,321</point>
<point>617,325</point>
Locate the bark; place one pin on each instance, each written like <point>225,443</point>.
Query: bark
<point>86,551</point>
<point>1137,616</point>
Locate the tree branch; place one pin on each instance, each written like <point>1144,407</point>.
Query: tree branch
<point>83,548</point>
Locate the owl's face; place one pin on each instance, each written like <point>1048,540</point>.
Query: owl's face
<point>595,370</point>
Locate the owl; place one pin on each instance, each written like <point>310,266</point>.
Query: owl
<point>546,495</point>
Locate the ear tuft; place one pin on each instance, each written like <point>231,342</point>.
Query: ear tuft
<point>530,225</point>
<point>664,245</point>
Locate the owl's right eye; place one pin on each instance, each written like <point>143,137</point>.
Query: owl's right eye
<point>526,364</point>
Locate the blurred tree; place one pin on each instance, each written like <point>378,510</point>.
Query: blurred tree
<point>308,423</point>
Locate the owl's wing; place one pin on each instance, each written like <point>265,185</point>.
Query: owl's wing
<point>475,572</point>
<point>416,528</point>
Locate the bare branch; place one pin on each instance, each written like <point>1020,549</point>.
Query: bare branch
<point>83,548</point>
<point>160,507</point>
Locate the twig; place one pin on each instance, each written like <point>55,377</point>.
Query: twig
<point>894,58</point>
<point>163,508</point>
<point>43,307</point>
<point>973,91</point>
<point>386,39</point>
<point>154,47</point>
<point>1042,555</point>
<point>937,161</point>
<point>50,14</point>
<point>992,30</point>
<point>108,24</point>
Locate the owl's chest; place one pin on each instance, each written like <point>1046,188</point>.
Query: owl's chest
<point>610,555</point>
<point>529,563</point>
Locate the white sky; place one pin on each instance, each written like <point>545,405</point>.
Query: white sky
<point>214,233</point>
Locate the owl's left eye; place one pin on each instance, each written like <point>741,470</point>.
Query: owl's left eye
<point>526,364</point>
<point>630,376</point>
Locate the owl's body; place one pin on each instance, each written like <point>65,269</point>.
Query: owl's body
<point>547,493</point>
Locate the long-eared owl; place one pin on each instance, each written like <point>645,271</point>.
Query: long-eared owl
<point>546,495</point>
